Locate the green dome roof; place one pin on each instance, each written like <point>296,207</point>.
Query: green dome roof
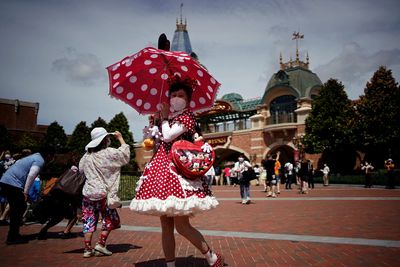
<point>237,102</point>
<point>299,79</point>
<point>232,97</point>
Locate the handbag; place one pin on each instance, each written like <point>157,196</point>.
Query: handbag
<point>113,201</point>
<point>70,182</point>
<point>249,174</point>
<point>192,160</point>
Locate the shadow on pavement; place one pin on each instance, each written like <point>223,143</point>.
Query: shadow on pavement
<point>114,248</point>
<point>180,262</point>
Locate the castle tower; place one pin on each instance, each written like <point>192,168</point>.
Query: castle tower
<point>181,41</point>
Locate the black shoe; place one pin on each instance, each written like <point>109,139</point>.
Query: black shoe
<point>42,235</point>
<point>15,241</point>
<point>3,223</point>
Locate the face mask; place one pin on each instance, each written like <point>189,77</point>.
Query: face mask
<point>177,103</point>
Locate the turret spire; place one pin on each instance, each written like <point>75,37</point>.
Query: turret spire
<point>297,62</point>
<point>181,41</point>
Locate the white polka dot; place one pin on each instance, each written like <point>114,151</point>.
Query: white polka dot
<point>116,76</point>
<point>129,96</point>
<point>167,93</point>
<point>139,102</point>
<point>154,56</point>
<point>115,84</point>
<point>200,73</point>
<point>164,76</point>
<point>147,106</point>
<point>180,59</point>
<point>128,63</point>
<point>208,95</point>
<point>153,91</point>
<point>212,80</point>
<point>129,73</point>
<point>192,104</point>
<point>147,62</point>
<point>119,89</point>
<point>116,66</point>
<point>144,87</point>
<point>202,100</point>
<point>177,74</point>
<point>210,89</point>
<point>158,106</point>
<point>152,70</point>
<point>133,79</point>
<point>184,68</point>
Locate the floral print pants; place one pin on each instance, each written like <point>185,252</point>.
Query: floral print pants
<point>90,215</point>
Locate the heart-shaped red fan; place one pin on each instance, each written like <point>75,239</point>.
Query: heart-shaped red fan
<point>192,160</point>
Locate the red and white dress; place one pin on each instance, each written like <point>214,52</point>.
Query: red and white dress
<point>161,190</point>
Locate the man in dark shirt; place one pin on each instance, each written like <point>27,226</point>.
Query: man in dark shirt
<point>269,166</point>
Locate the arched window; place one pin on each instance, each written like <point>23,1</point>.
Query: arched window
<point>282,109</point>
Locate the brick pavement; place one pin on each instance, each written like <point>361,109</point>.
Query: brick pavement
<point>292,230</point>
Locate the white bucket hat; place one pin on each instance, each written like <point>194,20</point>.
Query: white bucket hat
<point>97,135</point>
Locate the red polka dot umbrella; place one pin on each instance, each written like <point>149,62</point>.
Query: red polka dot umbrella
<point>141,80</point>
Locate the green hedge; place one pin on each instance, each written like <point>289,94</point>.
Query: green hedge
<point>378,178</point>
<point>127,186</point>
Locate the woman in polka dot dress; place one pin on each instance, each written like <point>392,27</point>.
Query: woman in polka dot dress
<point>164,192</point>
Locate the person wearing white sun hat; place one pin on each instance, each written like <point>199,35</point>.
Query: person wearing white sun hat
<point>101,165</point>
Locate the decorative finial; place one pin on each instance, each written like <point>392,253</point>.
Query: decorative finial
<point>181,11</point>
<point>280,58</point>
<point>296,36</point>
<point>308,58</point>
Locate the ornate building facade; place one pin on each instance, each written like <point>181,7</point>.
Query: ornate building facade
<point>273,122</point>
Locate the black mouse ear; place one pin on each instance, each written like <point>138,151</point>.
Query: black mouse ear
<point>163,42</point>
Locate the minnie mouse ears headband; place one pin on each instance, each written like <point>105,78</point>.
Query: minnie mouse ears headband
<point>189,82</point>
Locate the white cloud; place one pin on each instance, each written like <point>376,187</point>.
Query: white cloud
<point>78,68</point>
<point>354,66</point>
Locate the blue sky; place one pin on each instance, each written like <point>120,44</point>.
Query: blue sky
<point>55,52</point>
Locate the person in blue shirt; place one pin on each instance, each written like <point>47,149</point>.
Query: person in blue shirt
<point>16,183</point>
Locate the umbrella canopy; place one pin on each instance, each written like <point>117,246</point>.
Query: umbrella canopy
<point>141,80</point>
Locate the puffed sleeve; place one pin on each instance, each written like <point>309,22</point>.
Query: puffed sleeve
<point>188,120</point>
<point>119,156</point>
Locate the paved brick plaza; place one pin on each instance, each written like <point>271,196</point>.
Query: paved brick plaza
<point>331,226</point>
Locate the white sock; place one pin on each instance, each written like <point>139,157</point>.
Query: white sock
<point>211,257</point>
<point>171,264</point>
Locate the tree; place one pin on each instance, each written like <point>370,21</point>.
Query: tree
<point>27,141</point>
<point>6,142</point>
<point>328,127</point>
<point>79,139</point>
<point>378,118</point>
<point>120,123</point>
<point>99,123</point>
<point>55,139</point>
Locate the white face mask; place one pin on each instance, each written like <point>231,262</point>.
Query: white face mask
<point>177,103</point>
